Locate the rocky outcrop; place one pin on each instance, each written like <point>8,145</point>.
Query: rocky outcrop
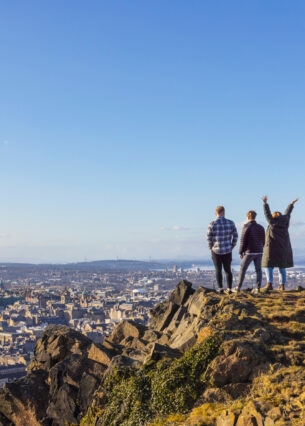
<point>61,380</point>
<point>254,375</point>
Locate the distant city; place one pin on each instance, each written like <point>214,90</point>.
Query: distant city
<point>91,297</point>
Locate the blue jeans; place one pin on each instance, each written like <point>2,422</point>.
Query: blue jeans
<point>246,260</point>
<point>269,275</point>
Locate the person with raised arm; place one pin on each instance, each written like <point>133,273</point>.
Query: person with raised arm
<point>277,251</point>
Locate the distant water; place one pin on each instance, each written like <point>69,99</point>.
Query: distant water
<point>235,267</point>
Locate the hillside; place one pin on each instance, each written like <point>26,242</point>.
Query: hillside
<point>205,359</point>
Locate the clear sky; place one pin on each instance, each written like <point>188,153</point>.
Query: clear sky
<point>123,124</point>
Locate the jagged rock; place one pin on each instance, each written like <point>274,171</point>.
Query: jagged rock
<point>68,367</point>
<point>162,315</point>
<point>25,398</point>
<point>63,405</point>
<point>262,345</point>
<point>151,335</point>
<point>102,355</point>
<point>130,342</point>
<point>125,329</point>
<point>57,343</point>
<point>181,318</point>
<point>182,329</point>
<point>181,293</point>
<point>202,303</point>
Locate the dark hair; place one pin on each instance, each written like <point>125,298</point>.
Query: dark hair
<point>251,214</point>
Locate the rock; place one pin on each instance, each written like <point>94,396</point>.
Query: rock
<point>125,329</point>
<point>236,364</point>
<point>158,352</point>
<point>25,398</point>
<point>65,382</point>
<point>226,419</point>
<point>162,315</point>
<point>250,416</point>
<point>100,354</point>
<point>181,293</point>
<point>56,343</point>
<point>68,367</point>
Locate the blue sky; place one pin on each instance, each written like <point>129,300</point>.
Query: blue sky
<point>123,124</point>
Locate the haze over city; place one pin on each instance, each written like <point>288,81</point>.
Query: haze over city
<point>124,124</point>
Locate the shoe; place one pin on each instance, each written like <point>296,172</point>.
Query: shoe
<point>281,287</point>
<point>268,287</point>
<point>255,291</point>
<point>219,290</point>
<point>228,291</point>
<point>236,290</point>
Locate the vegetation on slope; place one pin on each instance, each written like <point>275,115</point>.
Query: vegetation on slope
<point>136,397</point>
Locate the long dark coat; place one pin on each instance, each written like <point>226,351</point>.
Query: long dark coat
<point>277,250</point>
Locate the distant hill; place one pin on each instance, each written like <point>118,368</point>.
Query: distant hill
<point>107,265</point>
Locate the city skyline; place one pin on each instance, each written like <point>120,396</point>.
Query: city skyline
<point>123,125</point>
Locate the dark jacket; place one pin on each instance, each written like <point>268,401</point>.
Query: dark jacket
<point>252,238</point>
<point>277,250</point>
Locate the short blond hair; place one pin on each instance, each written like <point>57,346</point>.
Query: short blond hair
<point>220,210</point>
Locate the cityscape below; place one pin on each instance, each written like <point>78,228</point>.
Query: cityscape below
<point>92,298</point>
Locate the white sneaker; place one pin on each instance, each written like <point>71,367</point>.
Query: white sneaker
<point>236,290</point>
<point>255,291</point>
<point>228,291</point>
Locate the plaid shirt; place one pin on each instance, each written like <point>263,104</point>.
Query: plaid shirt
<point>222,235</point>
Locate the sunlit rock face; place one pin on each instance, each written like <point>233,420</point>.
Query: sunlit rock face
<point>257,368</point>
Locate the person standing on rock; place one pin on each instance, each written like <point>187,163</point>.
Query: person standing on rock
<point>251,248</point>
<point>277,250</point>
<point>222,238</point>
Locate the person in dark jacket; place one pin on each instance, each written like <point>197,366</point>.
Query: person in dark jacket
<point>277,250</point>
<point>251,247</point>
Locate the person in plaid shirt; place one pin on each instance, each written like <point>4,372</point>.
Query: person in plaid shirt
<point>222,238</point>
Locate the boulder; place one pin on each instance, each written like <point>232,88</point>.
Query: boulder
<point>250,415</point>
<point>127,328</point>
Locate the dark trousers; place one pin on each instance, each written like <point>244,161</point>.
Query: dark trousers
<point>247,259</point>
<point>223,261</point>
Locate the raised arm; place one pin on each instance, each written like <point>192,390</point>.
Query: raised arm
<point>290,207</point>
<point>267,211</point>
